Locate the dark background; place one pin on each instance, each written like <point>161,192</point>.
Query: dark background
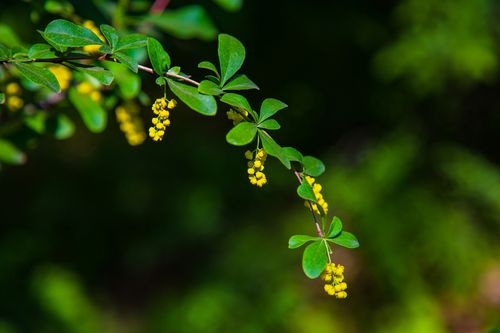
<point>399,98</point>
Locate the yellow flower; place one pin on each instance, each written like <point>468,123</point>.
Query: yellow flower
<point>160,121</point>
<point>235,116</point>
<point>86,88</point>
<point>319,197</point>
<point>130,123</point>
<point>14,103</point>
<point>13,89</point>
<point>333,275</point>
<point>255,167</point>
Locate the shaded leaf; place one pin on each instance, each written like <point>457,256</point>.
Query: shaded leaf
<point>231,56</point>
<point>65,128</point>
<point>110,34</point>
<point>270,124</point>
<point>298,240</point>
<point>273,149</point>
<point>4,52</point>
<point>314,259</point>
<point>127,60</point>
<point>132,41</point>
<point>38,75</point>
<point>346,239</point>
<point>242,134</point>
<point>158,56</point>
<point>313,166</point>
<point>100,74</point>
<point>335,228</point>
<point>41,51</point>
<point>239,102</point>
<point>240,82</point>
<point>91,112</point>
<point>203,104</point>
<point>208,65</point>
<point>10,154</point>
<point>209,88</point>
<point>293,154</point>
<point>128,83</point>
<point>269,107</point>
<point>67,34</point>
<point>186,22</point>
<point>230,5</point>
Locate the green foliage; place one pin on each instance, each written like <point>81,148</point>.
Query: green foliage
<point>208,87</point>
<point>203,104</point>
<point>313,166</point>
<point>298,240</point>
<point>231,57</point>
<point>63,34</point>
<point>10,154</point>
<point>314,259</point>
<point>305,191</point>
<point>38,75</point>
<point>240,82</point>
<point>242,134</point>
<point>160,60</point>
<point>93,115</point>
<point>269,107</point>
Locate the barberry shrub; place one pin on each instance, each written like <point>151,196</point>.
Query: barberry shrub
<point>96,70</point>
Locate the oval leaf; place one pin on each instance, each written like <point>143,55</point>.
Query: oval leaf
<point>270,124</point>
<point>38,75</point>
<point>127,60</point>
<point>306,192</point>
<point>160,60</point>
<point>93,115</point>
<point>298,240</point>
<point>41,51</point>
<point>273,149</point>
<point>132,41</point>
<point>10,154</point>
<point>269,107</point>
<point>231,56</point>
<point>313,166</point>
<point>293,154</point>
<point>110,34</point>
<point>335,228</point>
<point>100,74</point>
<point>346,239</point>
<point>203,104</point>
<point>314,259</point>
<point>67,34</point>
<point>241,134</point>
<point>207,87</point>
<point>240,82</point>
<point>208,65</point>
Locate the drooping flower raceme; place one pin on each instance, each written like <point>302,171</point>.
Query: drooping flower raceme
<point>319,197</point>
<point>161,119</point>
<point>333,275</point>
<point>130,123</point>
<point>256,166</point>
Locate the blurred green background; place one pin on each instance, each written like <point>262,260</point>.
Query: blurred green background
<point>399,98</point>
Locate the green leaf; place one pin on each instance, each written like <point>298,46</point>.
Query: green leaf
<point>209,88</point>
<point>59,7</point>
<point>67,34</point>
<point>127,60</point>
<point>212,78</point>
<point>314,259</point>
<point>93,115</point>
<point>100,74</point>
<point>65,128</point>
<point>230,5</point>
<point>269,107</point>
<point>10,154</point>
<point>175,70</point>
<point>41,51</point>
<point>335,228</point>
<point>346,239</point>
<point>110,34</point>
<point>128,83</point>
<point>2,98</point>
<point>54,44</point>
<point>38,75</point>
<point>132,41</point>
<point>240,82</point>
<point>298,240</point>
<point>161,81</point>
<point>4,52</point>
<point>273,149</point>
<point>239,102</point>
<point>306,192</point>
<point>158,56</point>
<point>231,56</point>
<point>208,65</point>
<point>36,121</point>
<point>270,124</point>
<point>185,23</point>
<point>313,166</point>
<point>8,37</point>
<point>242,134</point>
<point>203,104</point>
<point>293,154</point>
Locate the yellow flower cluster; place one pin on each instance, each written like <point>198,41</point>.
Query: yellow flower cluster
<point>62,74</point>
<point>86,88</point>
<point>12,92</point>
<point>333,275</point>
<point>256,166</point>
<point>236,117</point>
<point>92,27</point>
<point>130,124</point>
<point>161,121</point>
<point>319,197</point>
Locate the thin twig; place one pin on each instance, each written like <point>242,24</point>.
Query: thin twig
<point>318,227</point>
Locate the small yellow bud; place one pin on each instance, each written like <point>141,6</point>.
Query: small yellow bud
<point>251,171</point>
<point>171,104</point>
<point>248,155</point>
<point>12,88</point>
